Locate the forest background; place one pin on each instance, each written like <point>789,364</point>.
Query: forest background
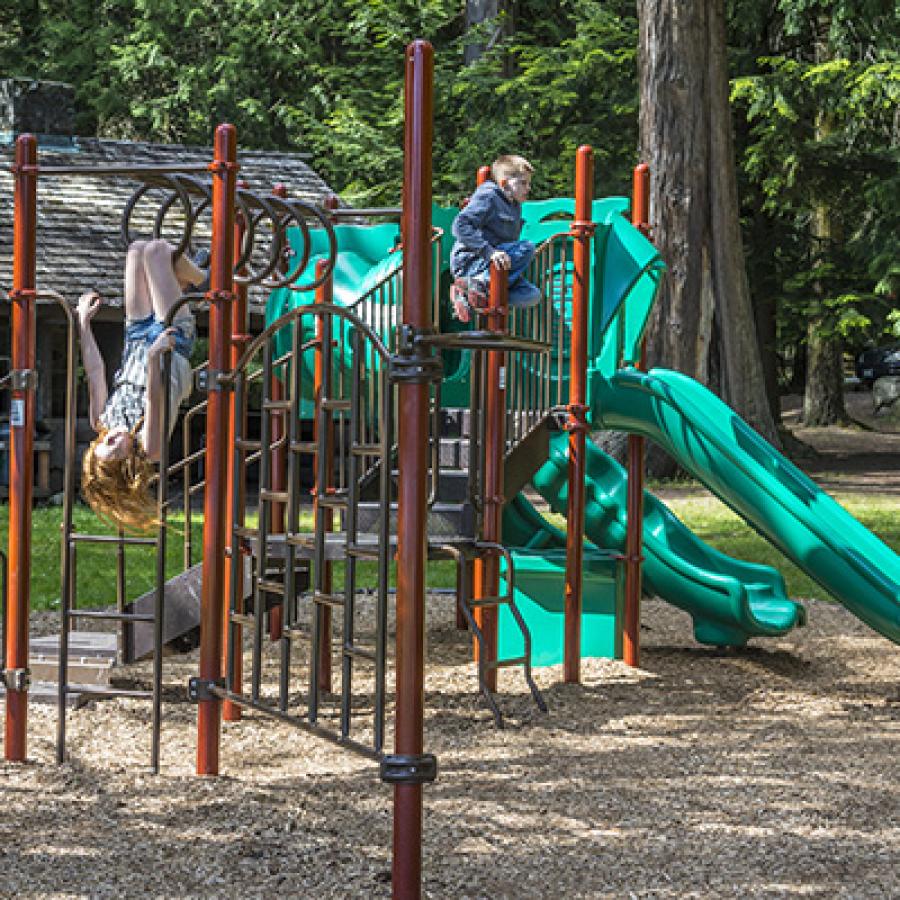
<point>812,90</point>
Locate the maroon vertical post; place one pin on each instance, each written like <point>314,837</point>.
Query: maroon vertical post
<point>278,458</point>
<point>21,446</point>
<point>487,568</point>
<point>582,231</point>
<point>212,596</point>
<point>324,444</point>
<point>412,443</point>
<point>231,712</point>
<point>631,632</point>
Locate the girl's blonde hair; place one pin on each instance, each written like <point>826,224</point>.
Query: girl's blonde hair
<point>118,490</point>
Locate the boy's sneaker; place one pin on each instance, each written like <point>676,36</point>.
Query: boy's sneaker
<point>459,297</point>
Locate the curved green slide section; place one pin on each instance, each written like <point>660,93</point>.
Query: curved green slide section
<point>783,504</point>
<point>728,600</point>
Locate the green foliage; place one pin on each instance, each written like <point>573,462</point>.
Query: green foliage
<point>818,103</point>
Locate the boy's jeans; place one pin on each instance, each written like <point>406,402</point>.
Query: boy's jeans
<point>521,291</point>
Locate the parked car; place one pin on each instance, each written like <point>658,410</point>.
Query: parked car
<point>878,362</point>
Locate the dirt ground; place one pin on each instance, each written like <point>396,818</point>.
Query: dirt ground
<point>765,772</point>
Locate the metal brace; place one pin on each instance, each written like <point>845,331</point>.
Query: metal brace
<point>17,679</point>
<point>23,379</point>
<point>400,769</point>
<point>200,689</point>
<point>208,380</point>
<point>413,363</point>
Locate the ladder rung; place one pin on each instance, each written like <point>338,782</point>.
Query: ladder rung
<point>360,652</point>
<point>247,619</point>
<point>113,616</point>
<point>338,405</point>
<point>304,447</point>
<point>276,496</point>
<point>333,501</point>
<point>486,602</point>
<point>272,587</point>
<point>78,538</point>
<point>246,444</point>
<point>335,601</point>
<point>306,541</point>
<point>506,663</point>
<point>361,552</point>
<point>276,405</point>
<point>366,449</point>
<point>99,690</point>
<point>293,632</point>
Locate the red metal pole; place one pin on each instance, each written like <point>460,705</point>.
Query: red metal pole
<point>582,229</point>
<point>631,636</point>
<point>412,443</point>
<point>224,174</point>
<point>21,446</point>
<point>231,712</point>
<point>278,463</point>
<point>487,568</point>
<point>324,444</point>
<point>484,174</point>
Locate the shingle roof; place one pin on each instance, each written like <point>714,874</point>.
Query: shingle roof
<point>79,218</point>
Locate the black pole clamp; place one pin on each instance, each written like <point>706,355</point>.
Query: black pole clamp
<point>200,689</point>
<point>408,769</point>
<point>414,362</point>
<point>23,379</point>
<point>209,380</point>
<point>17,679</point>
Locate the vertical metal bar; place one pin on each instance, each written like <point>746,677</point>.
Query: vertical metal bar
<point>224,173</point>
<point>235,603</point>
<point>260,596</point>
<point>324,439</point>
<point>357,424</point>
<point>66,580</point>
<point>21,441</point>
<point>413,462</point>
<point>631,632</point>
<point>160,592</point>
<point>289,605</point>
<point>188,547</point>
<point>386,419</point>
<point>487,567</point>
<point>577,420</point>
<point>120,595</point>
<point>235,488</point>
<point>279,451</point>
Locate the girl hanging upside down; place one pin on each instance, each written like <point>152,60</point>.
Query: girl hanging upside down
<point>117,466</point>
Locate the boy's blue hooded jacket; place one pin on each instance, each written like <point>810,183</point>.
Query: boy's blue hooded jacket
<point>489,219</point>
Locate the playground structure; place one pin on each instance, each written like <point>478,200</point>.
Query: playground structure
<point>367,365</point>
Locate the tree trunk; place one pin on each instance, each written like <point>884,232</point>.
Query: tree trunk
<point>479,11</point>
<point>686,137</point>
<point>823,396</point>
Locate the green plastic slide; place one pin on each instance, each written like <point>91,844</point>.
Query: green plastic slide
<point>728,600</point>
<point>786,506</point>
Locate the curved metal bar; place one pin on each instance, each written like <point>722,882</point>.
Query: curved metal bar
<point>267,209</point>
<point>280,225</point>
<point>316,309</point>
<point>330,261</point>
<point>182,193</point>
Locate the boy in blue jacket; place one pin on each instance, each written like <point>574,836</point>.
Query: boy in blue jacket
<point>487,230</point>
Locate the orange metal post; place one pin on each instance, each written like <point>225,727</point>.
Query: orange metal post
<point>487,568</point>
<point>224,173</point>
<point>412,445</point>
<point>324,444</point>
<point>21,446</point>
<point>278,460</point>
<point>631,637</point>
<point>484,174</point>
<point>231,712</point>
<point>582,229</point>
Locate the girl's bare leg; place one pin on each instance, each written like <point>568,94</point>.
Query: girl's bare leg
<point>138,304</point>
<point>165,289</point>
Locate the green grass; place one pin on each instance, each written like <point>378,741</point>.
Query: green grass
<point>96,565</point>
